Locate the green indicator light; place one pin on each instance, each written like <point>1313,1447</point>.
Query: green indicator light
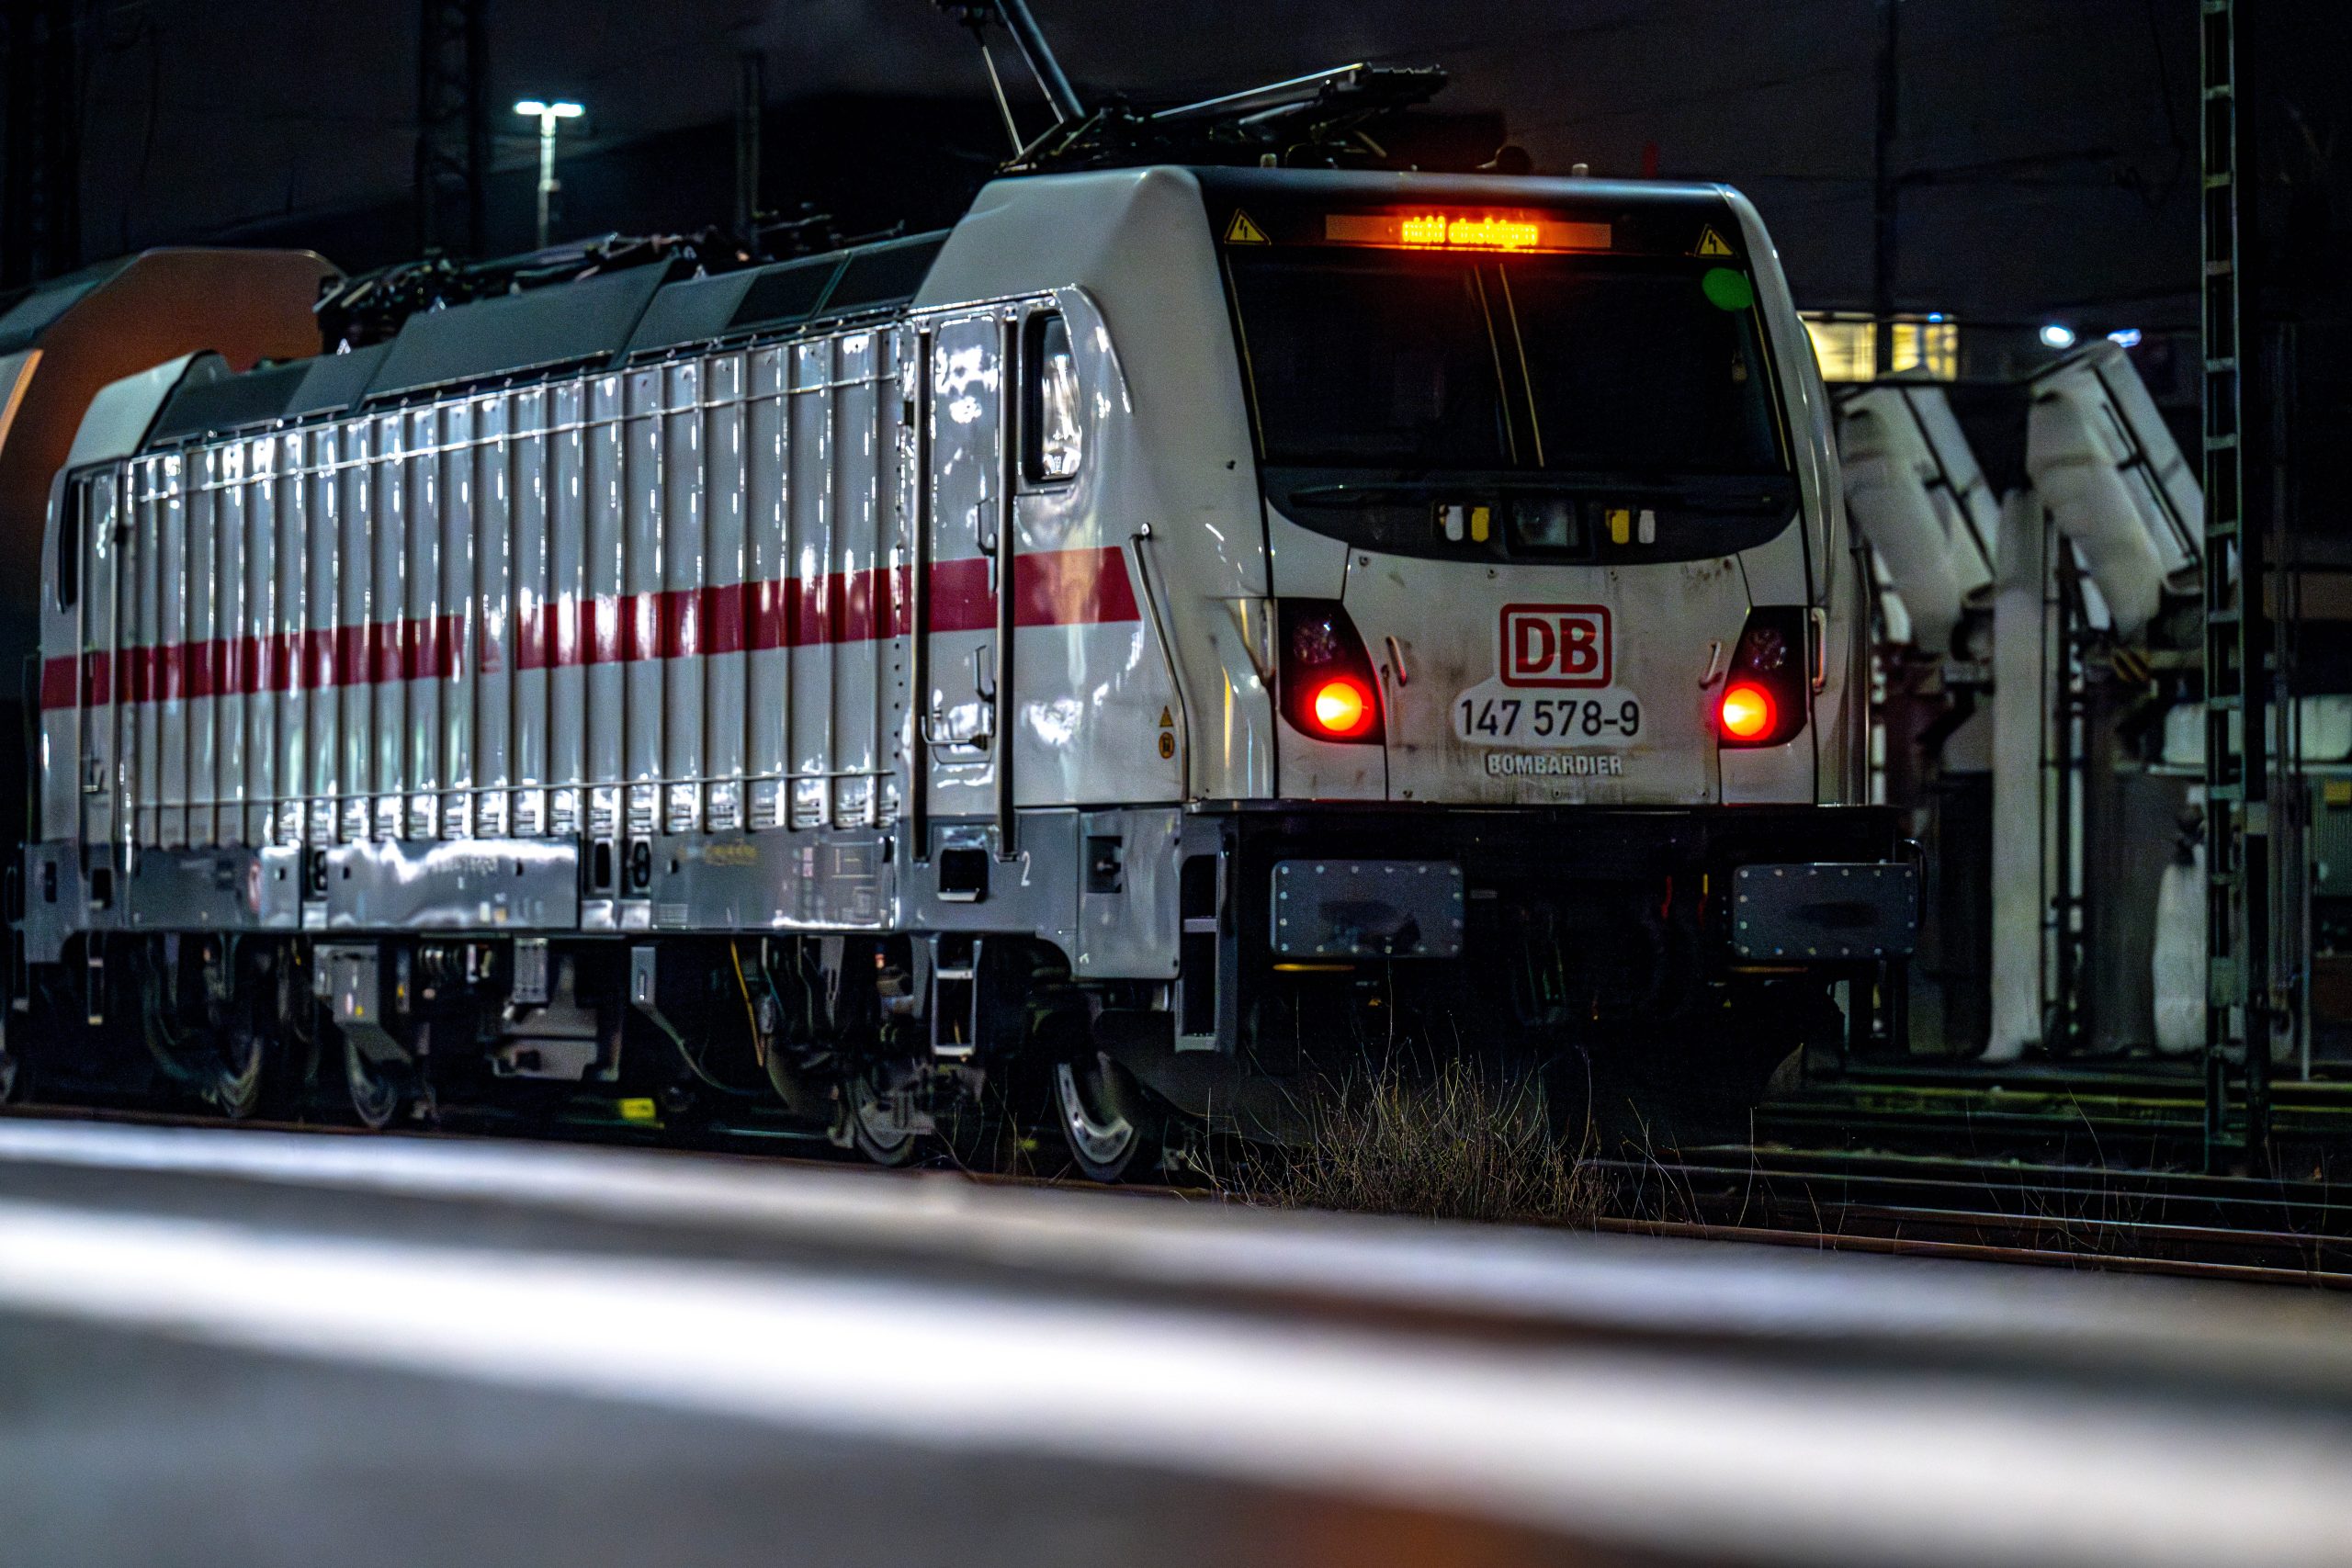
<point>1726,290</point>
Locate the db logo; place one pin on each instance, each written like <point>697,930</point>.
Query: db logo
<point>1556,645</point>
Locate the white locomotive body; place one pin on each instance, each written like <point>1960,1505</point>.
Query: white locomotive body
<point>1145,626</point>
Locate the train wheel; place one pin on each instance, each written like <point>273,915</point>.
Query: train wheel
<point>244,1066</point>
<point>1107,1120</point>
<point>878,1127</point>
<point>376,1092</point>
<point>383,1091</point>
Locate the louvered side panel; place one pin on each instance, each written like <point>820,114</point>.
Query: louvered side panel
<point>608,530</point>
<point>147,637</point>
<point>643,720</point>
<point>574,613</point>
<point>534,613</point>
<point>216,505</point>
<point>388,612</point>
<point>900,400</point>
<point>452,630</point>
<point>355,577</point>
<point>212,659</point>
<point>492,654</point>
<point>726,633</point>
<point>172,644</point>
<point>811,621</point>
<point>855,599</point>
<point>685,631</point>
<point>322,565</point>
<point>257,788</point>
<point>420,619</point>
<point>291,553</point>
<point>767,507</point>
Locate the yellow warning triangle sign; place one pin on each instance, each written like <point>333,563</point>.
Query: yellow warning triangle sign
<point>1710,244</point>
<point>1243,232</point>
<point>1166,720</point>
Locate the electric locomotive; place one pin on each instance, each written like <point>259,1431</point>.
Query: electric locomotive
<point>1171,635</point>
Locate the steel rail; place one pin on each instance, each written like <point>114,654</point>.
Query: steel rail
<point>1978,1252</point>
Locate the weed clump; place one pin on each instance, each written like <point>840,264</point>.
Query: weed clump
<point>1453,1144</point>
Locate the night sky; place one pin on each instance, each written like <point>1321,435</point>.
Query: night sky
<point>2050,144</point>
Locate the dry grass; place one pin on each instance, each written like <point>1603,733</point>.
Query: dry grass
<point>1451,1145</point>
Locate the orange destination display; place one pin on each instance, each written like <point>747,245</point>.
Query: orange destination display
<point>1442,231</point>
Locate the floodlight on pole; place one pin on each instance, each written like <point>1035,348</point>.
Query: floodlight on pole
<point>548,115</point>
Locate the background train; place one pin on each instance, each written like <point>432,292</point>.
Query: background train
<point>1175,637</point>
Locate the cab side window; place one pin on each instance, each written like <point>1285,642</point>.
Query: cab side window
<point>69,544</point>
<point>1053,433</point>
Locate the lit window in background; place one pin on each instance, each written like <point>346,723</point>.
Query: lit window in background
<point>1846,347</point>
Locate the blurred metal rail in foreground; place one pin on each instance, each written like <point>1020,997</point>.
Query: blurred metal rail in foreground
<point>2116,1218</point>
<point>1723,1403</point>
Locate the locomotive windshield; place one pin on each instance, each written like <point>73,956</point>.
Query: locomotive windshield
<point>1539,364</point>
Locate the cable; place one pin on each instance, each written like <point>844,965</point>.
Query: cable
<point>750,1014</point>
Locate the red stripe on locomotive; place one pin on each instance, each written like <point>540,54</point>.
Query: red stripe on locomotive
<point>1053,588</point>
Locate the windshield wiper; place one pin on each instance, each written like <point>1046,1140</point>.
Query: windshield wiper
<point>1761,492</point>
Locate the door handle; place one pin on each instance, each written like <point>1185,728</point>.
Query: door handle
<point>936,731</point>
<point>938,735</point>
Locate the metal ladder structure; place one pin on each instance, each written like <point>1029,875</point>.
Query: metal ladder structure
<point>2241,1007</point>
<point>452,125</point>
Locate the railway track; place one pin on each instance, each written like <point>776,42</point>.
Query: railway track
<point>2130,1111</point>
<point>2119,1219</point>
<point>2111,1218</point>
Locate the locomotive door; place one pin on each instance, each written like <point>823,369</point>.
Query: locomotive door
<point>97,542</point>
<point>964,543</point>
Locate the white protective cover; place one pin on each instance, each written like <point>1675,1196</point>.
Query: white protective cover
<point>2019,796</point>
<point>1917,493</point>
<point>2323,731</point>
<point>2114,480</point>
<point>2178,962</point>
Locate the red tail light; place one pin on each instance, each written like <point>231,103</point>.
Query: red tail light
<point>1327,689</point>
<point>1763,702</point>
<point>1747,712</point>
<point>1341,708</point>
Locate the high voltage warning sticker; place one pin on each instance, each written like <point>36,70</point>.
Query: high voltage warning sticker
<point>1710,242</point>
<point>1242,232</point>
